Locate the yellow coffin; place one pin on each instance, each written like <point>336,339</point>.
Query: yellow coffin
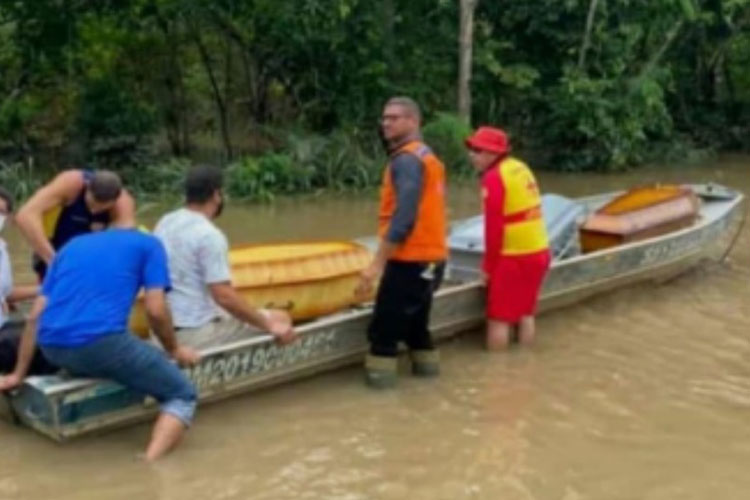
<point>306,279</point>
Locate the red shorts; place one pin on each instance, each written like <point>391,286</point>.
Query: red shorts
<point>513,286</point>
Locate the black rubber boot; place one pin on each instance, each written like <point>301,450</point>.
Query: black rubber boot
<point>425,363</point>
<point>381,371</point>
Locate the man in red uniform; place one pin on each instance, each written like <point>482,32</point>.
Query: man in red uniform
<point>516,249</point>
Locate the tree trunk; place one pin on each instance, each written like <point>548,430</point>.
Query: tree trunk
<point>256,71</point>
<point>228,82</point>
<point>733,106</point>
<point>389,36</point>
<point>171,117</point>
<point>656,58</point>
<point>12,96</point>
<point>465,47</point>
<point>184,118</point>
<point>175,109</point>
<point>248,85</point>
<point>220,104</point>
<point>587,35</point>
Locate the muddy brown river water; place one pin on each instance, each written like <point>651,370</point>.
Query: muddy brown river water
<point>640,394</point>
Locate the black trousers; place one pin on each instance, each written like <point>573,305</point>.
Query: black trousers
<point>10,337</point>
<point>402,307</point>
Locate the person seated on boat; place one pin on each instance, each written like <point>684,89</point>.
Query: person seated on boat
<point>516,248</point>
<point>198,255</point>
<point>10,330</point>
<point>75,202</point>
<point>411,255</point>
<point>79,320</point>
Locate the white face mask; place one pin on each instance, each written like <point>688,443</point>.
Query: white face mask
<point>2,221</point>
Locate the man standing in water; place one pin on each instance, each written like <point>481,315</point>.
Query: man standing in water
<point>412,251</point>
<point>516,249</point>
<point>81,316</point>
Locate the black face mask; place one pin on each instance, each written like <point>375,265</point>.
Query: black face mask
<point>220,208</point>
<point>383,140</point>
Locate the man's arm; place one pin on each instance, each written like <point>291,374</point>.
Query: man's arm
<point>23,292</point>
<point>25,348</point>
<point>494,224</point>
<point>277,323</point>
<point>123,212</point>
<point>407,178</point>
<point>217,276</point>
<point>155,281</point>
<point>367,278</point>
<point>160,320</point>
<point>59,191</point>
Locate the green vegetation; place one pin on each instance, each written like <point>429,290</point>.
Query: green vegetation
<point>286,93</point>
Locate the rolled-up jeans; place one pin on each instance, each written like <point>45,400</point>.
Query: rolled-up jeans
<point>137,365</point>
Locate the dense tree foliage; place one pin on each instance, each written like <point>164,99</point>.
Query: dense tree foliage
<point>581,84</point>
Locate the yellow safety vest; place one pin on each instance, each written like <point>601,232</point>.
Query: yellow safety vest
<point>525,232</point>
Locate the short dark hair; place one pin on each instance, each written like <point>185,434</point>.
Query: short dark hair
<point>409,104</point>
<point>7,198</point>
<point>105,186</point>
<point>202,182</point>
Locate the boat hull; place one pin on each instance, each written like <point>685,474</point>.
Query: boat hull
<point>63,409</point>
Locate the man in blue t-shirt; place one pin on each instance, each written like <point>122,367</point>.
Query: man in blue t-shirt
<point>80,323</point>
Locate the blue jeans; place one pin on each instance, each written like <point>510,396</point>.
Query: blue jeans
<point>133,363</point>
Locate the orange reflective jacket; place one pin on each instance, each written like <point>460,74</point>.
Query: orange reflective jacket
<point>427,240</point>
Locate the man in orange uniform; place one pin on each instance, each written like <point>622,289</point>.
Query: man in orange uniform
<point>412,251</point>
<point>516,248</point>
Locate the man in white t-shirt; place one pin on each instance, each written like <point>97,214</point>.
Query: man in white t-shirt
<point>199,269</point>
<point>10,331</point>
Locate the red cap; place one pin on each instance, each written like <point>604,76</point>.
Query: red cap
<point>489,139</point>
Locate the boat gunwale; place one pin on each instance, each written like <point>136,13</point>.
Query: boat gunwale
<point>361,310</point>
<point>54,393</point>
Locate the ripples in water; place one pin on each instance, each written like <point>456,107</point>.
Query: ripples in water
<point>640,394</point>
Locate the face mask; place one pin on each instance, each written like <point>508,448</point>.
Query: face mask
<point>2,221</point>
<point>220,208</point>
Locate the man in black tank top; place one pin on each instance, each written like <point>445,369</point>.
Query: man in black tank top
<point>75,202</point>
